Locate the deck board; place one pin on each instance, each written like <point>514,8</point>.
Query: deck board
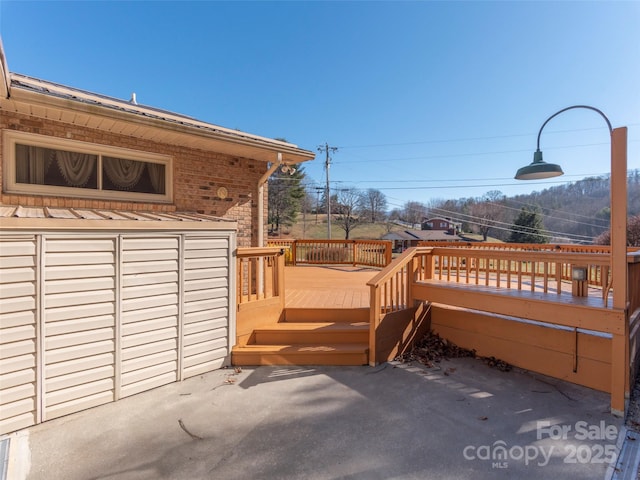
<point>327,286</point>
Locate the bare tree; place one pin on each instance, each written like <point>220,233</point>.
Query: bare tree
<point>348,218</point>
<point>487,211</point>
<point>373,204</point>
<point>414,212</point>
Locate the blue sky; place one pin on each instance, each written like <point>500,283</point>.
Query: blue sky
<point>424,100</point>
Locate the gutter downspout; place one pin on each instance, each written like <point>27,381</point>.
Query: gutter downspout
<point>261,183</point>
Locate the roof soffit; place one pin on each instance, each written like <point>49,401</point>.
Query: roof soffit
<point>146,124</point>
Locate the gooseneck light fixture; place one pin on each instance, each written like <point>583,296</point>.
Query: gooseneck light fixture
<point>620,372</point>
<point>539,169</point>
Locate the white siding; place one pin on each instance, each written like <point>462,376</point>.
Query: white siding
<point>150,268</point>
<point>86,319</point>
<point>206,304</point>
<point>79,324</point>
<point>18,315</point>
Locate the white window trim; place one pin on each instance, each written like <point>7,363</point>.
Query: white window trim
<point>11,138</point>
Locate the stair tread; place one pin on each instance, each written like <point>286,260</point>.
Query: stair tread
<point>305,348</point>
<point>314,326</point>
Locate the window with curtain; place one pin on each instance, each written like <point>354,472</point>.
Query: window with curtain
<point>37,168</point>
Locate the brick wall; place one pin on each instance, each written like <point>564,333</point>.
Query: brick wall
<point>197,175</point>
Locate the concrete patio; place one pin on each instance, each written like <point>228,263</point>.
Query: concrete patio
<point>461,420</point>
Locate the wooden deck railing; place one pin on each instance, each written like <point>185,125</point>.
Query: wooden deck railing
<point>542,271</point>
<point>258,277</point>
<point>260,289</point>
<point>597,275</point>
<point>371,253</point>
<point>391,298</point>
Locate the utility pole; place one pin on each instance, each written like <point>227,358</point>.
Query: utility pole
<point>326,149</point>
<point>318,190</point>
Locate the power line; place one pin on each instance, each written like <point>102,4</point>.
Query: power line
<point>470,139</point>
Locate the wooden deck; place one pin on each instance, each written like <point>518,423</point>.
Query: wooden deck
<point>328,286</point>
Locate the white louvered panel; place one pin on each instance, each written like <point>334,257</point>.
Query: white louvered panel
<point>17,363</point>
<point>54,342</point>
<point>136,268</point>
<point>205,305</point>
<point>205,314</point>
<point>209,293</point>
<point>206,273</point>
<point>150,297</point>
<point>80,403</point>
<point>205,252</point>
<point>17,248</point>
<point>142,374</point>
<point>192,263</point>
<point>147,384</point>
<point>205,283</point>
<point>20,377</point>
<point>140,244</point>
<point>220,314</point>
<point>17,423</point>
<point>23,289</point>
<point>18,292</point>
<point>16,319</point>
<point>76,285</point>
<point>13,275</point>
<point>79,351</point>
<point>149,349</point>
<point>149,325</point>
<point>17,334</point>
<point>206,363</point>
<point>208,243</point>
<point>207,325</point>
<point>73,394</point>
<point>150,290</point>
<point>79,258</point>
<point>78,325</point>
<point>148,360</point>
<point>17,262</point>
<point>150,278</point>
<point>79,322</point>
<point>150,313</point>
<point>14,349</point>
<point>150,337</point>
<point>17,304</point>
<point>90,245</point>
<point>79,364</point>
<point>203,347</point>
<point>18,393</point>
<point>19,407</point>
<point>78,378</point>
<point>79,271</point>
<point>206,336</point>
<point>80,311</point>
<point>72,299</point>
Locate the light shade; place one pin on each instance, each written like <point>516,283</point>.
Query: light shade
<point>538,169</point>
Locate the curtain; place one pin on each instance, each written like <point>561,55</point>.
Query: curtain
<point>122,173</point>
<point>156,174</point>
<point>32,164</point>
<point>76,168</point>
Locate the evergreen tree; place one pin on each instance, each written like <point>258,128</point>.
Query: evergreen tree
<point>528,227</point>
<point>285,195</point>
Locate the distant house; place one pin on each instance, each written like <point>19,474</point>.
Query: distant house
<point>119,228</point>
<point>439,223</point>
<point>410,238</point>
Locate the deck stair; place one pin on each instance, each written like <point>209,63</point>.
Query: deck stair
<point>309,336</point>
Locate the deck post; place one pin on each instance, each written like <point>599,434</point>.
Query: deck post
<point>374,318</point>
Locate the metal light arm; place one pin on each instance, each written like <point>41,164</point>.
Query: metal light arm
<point>571,108</point>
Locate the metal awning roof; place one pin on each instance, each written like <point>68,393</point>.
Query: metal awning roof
<point>25,217</point>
